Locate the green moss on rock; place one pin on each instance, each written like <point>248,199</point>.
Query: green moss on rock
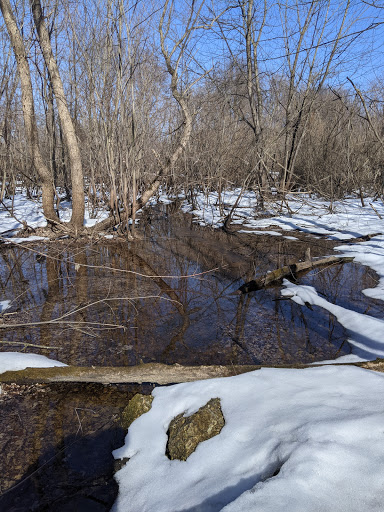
<point>138,405</point>
<point>185,433</point>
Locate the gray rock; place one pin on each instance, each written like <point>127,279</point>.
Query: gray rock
<point>185,433</point>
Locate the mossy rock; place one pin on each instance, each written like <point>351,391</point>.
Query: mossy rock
<point>138,405</point>
<point>185,433</point>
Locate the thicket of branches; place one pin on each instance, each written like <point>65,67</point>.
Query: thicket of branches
<point>198,95</point>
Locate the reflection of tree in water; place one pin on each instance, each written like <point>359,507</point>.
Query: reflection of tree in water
<point>165,289</point>
<point>193,320</point>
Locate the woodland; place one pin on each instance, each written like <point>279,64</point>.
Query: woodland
<point>260,117</point>
<point>103,103</point>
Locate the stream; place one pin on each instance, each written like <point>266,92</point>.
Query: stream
<point>166,297</point>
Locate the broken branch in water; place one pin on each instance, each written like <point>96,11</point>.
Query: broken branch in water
<point>25,344</point>
<point>290,271</point>
<point>62,319</point>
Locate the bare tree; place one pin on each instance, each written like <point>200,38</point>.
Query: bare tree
<point>44,173</point>
<point>66,123</point>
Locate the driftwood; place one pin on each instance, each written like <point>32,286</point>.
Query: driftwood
<point>290,271</point>
<point>155,373</point>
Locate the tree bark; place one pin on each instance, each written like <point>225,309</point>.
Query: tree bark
<point>67,126</point>
<point>289,271</point>
<point>46,178</point>
<point>156,373</point>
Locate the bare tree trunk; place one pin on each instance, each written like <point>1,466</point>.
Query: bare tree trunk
<point>47,185</point>
<point>64,115</point>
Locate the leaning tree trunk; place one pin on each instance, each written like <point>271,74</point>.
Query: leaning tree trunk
<point>46,178</point>
<point>181,98</point>
<point>64,115</point>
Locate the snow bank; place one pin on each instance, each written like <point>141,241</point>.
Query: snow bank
<point>347,220</point>
<point>319,431</point>
<point>32,212</point>
<point>14,361</point>
<point>366,332</point>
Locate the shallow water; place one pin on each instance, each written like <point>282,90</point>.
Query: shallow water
<point>121,303</point>
<point>56,446</point>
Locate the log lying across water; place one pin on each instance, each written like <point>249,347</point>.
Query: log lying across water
<point>155,373</point>
<point>290,271</point>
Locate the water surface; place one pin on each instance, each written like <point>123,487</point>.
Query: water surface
<point>169,298</point>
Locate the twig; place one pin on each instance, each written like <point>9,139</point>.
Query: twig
<point>61,319</point>
<point>78,418</point>
<point>28,344</point>
<point>78,265</point>
<point>59,322</point>
<point>374,209</point>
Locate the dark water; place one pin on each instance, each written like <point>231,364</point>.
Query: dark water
<point>56,444</point>
<point>121,303</point>
<point>108,312</point>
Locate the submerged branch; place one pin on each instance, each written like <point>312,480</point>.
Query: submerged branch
<point>62,319</point>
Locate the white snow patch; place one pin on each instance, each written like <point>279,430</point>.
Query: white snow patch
<point>320,429</point>
<point>20,240</point>
<point>345,220</point>
<point>31,211</point>
<point>4,305</point>
<point>258,232</point>
<point>14,361</point>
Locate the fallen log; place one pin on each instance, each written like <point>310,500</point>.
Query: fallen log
<point>290,271</point>
<point>155,373</point>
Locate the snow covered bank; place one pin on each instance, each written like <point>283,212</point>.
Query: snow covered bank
<point>366,332</point>
<point>24,209</point>
<point>346,219</point>
<point>319,431</point>
<point>14,361</point>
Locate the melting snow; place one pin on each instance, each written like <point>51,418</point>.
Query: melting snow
<point>319,431</point>
<point>14,361</point>
<point>294,440</point>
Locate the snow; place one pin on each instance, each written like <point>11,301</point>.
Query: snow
<point>20,240</point>
<point>322,427</point>
<point>4,305</point>
<point>14,361</point>
<point>31,211</point>
<point>349,219</point>
<point>258,232</point>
